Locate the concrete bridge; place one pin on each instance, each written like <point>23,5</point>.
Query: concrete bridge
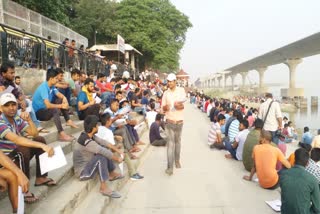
<point>291,55</point>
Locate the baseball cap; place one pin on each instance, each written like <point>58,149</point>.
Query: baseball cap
<point>171,77</point>
<point>7,97</point>
<point>113,67</point>
<point>126,74</point>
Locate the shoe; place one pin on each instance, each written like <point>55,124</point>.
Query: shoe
<point>178,165</point>
<point>136,176</point>
<point>169,171</point>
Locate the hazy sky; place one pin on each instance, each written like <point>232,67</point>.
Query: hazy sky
<point>228,32</point>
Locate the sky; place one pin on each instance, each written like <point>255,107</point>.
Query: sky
<point>228,32</point>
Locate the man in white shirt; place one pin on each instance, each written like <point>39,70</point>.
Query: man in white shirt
<point>236,148</point>
<point>273,121</point>
<point>151,115</point>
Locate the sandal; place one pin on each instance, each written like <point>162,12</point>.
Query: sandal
<point>43,130</point>
<point>48,183</point>
<point>30,199</point>
<point>112,194</point>
<point>117,177</point>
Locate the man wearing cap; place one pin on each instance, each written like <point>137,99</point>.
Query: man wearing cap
<point>19,148</point>
<point>172,105</point>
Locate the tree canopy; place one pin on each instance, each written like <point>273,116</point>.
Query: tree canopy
<point>154,27</point>
<point>58,10</point>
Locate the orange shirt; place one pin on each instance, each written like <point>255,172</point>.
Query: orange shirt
<point>266,157</point>
<point>291,159</point>
<point>169,98</point>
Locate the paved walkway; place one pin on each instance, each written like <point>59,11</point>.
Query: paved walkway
<point>206,183</point>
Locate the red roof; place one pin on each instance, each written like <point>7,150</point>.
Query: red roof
<point>182,73</point>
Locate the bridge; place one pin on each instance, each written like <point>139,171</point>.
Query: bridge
<point>291,55</point>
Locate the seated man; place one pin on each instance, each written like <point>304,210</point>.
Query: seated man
<point>91,156</point>
<point>306,137</point>
<point>106,134</point>
<point>312,166</point>
<point>151,115</point>
<point>252,140</point>
<point>265,157</point>
<point>11,177</point>
<point>75,75</point>
<point>236,148</point>
<point>135,104</point>
<point>45,108</point>
<point>154,133</point>
<point>214,136</point>
<point>299,189</point>
<point>18,148</point>
<point>118,127</point>
<point>86,104</point>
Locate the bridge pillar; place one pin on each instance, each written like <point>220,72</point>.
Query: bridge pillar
<point>261,72</point>
<point>233,76</point>
<point>244,76</point>
<point>219,82</point>
<point>292,65</point>
<point>292,91</point>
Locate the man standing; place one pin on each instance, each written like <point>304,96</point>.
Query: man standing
<point>270,113</point>
<point>172,105</point>
<point>299,189</point>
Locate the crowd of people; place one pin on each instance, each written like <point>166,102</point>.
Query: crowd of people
<point>108,107</point>
<point>259,138</point>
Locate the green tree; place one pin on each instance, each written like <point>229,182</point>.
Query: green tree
<point>154,27</point>
<point>95,20</point>
<point>58,10</point>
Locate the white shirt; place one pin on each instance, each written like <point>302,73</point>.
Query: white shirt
<point>105,134</point>
<point>271,123</point>
<point>241,139</point>
<point>151,117</point>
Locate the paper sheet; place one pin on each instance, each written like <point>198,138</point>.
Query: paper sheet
<point>138,125</point>
<point>48,164</point>
<point>275,205</point>
<point>20,201</point>
<point>124,110</point>
<point>120,122</point>
<point>97,99</point>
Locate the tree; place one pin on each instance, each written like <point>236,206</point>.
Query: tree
<point>95,20</point>
<point>154,27</point>
<point>58,10</point>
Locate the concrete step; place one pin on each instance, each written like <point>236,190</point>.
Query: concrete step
<point>60,175</point>
<point>50,123</point>
<point>52,136</point>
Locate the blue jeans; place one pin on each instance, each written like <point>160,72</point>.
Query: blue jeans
<point>140,110</point>
<point>232,150</point>
<point>275,138</point>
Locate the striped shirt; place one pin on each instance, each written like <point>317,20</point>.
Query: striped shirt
<point>233,130</point>
<point>214,131</point>
<point>314,169</point>
<point>19,127</point>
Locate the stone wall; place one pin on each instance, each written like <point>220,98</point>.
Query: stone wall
<point>31,78</point>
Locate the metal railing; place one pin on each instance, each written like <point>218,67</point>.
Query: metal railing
<point>19,17</point>
<point>31,51</point>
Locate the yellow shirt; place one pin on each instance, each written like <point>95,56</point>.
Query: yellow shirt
<point>169,98</point>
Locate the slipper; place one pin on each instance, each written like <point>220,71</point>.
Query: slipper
<point>112,194</point>
<point>43,130</point>
<point>47,183</point>
<point>133,157</point>
<point>116,178</point>
<point>30,199</point>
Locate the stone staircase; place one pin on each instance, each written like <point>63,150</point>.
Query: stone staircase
<point>70,193</point>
